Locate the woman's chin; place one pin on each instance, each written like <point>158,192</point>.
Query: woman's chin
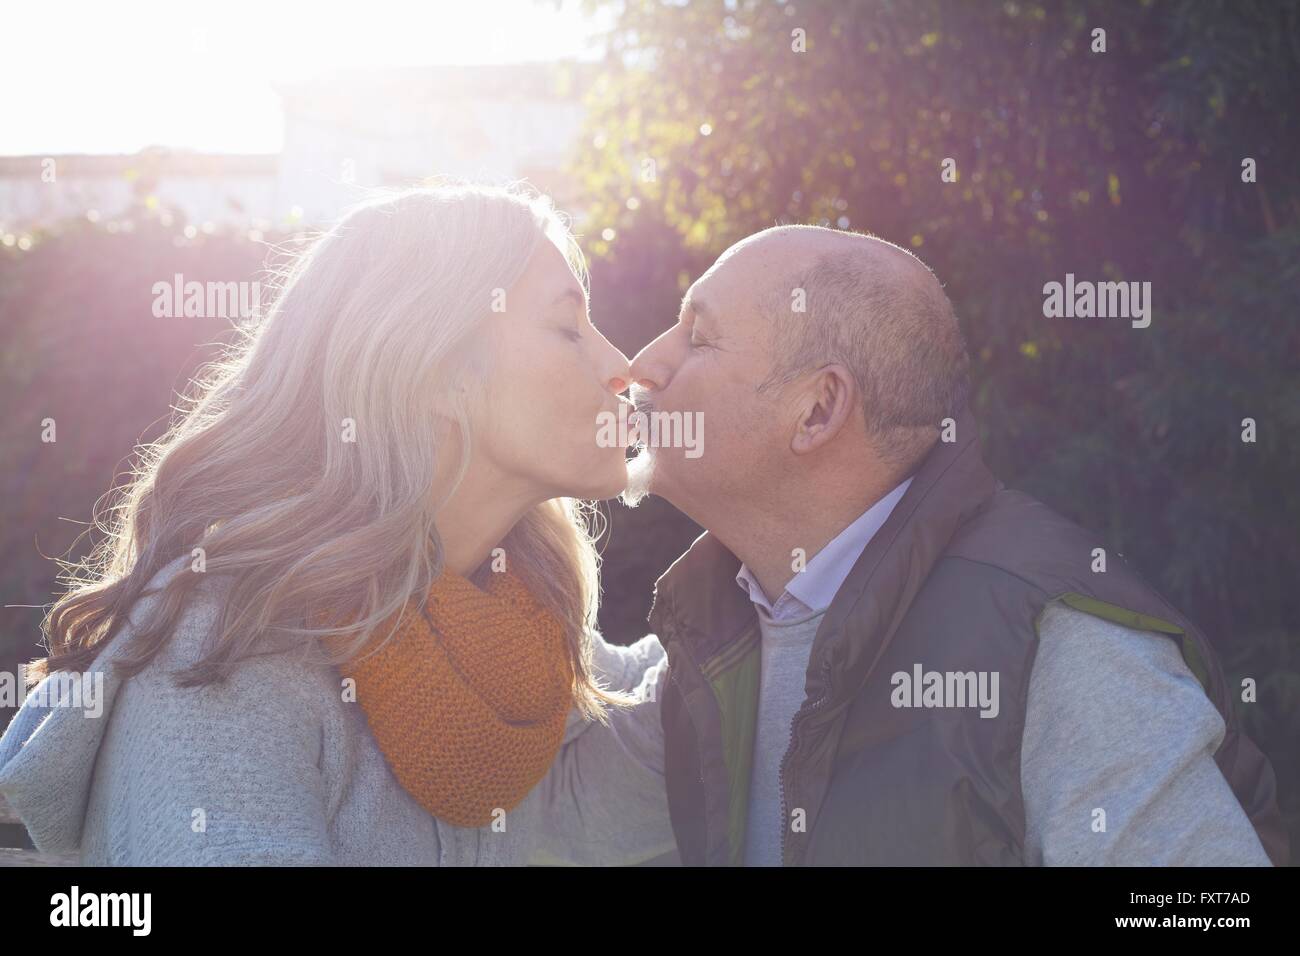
<point>607,482</point>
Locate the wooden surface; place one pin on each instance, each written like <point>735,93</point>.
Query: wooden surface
<point>14,856</point>
<point>7,815</point>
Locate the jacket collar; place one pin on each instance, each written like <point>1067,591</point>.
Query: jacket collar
<point>696,600</point>
<point>950,487</point>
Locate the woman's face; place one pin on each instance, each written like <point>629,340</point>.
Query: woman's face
<point>553,374</point>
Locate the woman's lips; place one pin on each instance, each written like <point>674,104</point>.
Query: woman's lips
<point>626,411</point>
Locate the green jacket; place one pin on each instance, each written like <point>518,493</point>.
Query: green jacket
<point>955,580</point>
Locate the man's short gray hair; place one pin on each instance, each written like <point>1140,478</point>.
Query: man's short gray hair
<point>869,307</point>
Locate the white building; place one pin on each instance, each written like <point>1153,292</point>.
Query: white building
<point>397,127</point>
<point>341,134</point>
<point>39,190</point>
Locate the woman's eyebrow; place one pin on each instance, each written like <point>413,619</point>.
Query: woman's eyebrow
<point>571,295</point>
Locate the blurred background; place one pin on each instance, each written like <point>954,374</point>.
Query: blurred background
<point>143,141</point>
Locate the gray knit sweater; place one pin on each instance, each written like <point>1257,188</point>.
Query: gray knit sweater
<point>273,767</point>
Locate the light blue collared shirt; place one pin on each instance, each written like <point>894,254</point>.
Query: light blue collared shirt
<point>812,589</point>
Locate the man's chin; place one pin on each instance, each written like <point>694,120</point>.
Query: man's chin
<point>640,478</point>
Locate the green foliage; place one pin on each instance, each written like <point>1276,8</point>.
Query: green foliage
<point>83,348</point>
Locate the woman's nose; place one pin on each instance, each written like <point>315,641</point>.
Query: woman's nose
<point>620,375</point>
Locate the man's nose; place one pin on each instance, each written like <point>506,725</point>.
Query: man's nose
<point>649,366</point>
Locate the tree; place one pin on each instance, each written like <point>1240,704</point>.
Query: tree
<point>1009,145</point>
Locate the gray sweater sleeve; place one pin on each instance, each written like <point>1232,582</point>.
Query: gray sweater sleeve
<point>1116,722</point>
<point>226,774</point>
<point>604,798</point>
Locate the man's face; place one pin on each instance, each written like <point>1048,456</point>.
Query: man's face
<point>708,368</point>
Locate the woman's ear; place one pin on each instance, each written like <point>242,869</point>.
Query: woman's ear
<point>459,378</point>
<point>827,404</point>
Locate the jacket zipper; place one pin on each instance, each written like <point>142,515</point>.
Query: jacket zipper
<point>789,752</point>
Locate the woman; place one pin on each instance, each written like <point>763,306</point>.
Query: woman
<point>389,461</point>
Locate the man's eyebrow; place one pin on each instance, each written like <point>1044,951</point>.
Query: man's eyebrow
<point>700,309</point>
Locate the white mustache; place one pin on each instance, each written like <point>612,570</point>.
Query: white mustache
<point>641,398</point>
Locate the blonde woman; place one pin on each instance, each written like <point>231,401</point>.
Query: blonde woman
<point>344,612</point>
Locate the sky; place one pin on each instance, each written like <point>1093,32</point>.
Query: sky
<point>88,76</point>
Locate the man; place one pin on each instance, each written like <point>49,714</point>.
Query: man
<point>879,655</point>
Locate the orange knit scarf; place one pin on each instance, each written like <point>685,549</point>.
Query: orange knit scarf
<point>468,700</point>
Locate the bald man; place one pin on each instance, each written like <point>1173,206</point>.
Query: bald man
<point>880,655</point>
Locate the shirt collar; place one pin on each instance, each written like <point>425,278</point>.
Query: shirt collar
<point>812,589</point>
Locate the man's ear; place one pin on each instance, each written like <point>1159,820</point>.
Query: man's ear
<point>825,407</point>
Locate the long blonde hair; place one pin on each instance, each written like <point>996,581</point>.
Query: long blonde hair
<point>371,324</point>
